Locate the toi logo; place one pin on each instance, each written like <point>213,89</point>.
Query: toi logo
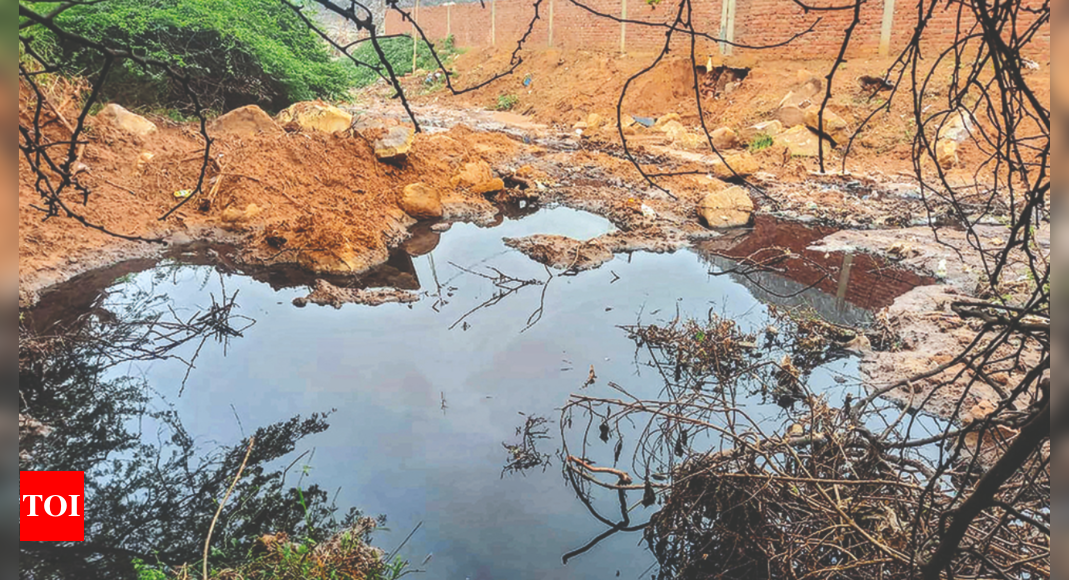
<point>51,506</point>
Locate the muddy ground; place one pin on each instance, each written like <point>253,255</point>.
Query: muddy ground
<point>325,203</point>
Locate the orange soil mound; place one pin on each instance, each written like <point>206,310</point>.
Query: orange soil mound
<point>322,201</point>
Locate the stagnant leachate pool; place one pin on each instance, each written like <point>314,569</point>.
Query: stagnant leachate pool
<point>424,395</point>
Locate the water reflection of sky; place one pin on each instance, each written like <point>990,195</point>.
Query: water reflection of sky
<point>392,449</point>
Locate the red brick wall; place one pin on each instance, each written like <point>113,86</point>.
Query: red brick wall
<point>757,23</point>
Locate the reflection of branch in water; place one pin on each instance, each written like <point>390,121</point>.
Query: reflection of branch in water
<point>507,285</point>
<point>525,455</point>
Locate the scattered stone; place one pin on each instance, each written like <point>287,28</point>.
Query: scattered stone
<point>327,294</point>
<point>245,121</point>
<point>835,126</point>
<point>671,128</point>
<point>790,116</point>
<point>727,208</point>
<point>562,252</point>
<point>595,121</point>
<point>724,138</point>
<point>457,207</point>
<point>489,186</point>
<point>421,201</point>
<point>441,227</point>
<point>801,142</point>
<point>394,146</point>
<point>233,215</point>
<point>126,121</point>
<point>662,121</point>
<point>946,153</point>
<point>803,96</point>
<point>316,116</point>
<point>738,164</point>
<point>954,126</point>
<point>770,128</point>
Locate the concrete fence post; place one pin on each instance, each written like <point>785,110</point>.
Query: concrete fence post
<point>551,23</point>
<point>727,26</point>
<point>885,27</point>
<point>415,37</point>
<point>449,19</point>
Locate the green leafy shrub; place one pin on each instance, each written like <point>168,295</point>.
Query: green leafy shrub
<point>506,102</point>
<point>398,52</point>
<point>761,142</point>
<point>237,52</point>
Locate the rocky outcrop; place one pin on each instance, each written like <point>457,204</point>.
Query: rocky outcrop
<point>126,121</point>
<point>801,142</point>
<point>727,208</point>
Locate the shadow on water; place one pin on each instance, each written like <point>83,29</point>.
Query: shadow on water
<point>423,395</point>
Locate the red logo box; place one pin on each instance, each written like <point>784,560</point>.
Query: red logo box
<point>51,506</point>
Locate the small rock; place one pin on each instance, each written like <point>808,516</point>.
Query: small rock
<point>661,121</point>
<point>316,116</point>
<point>422,242</point>
<point>801,142</point>
<point>245,121</point>
<point>727,208</point>
<point>595,121</point>
<point>954,126</point>
<point>835,126</point>
<point>489,186</point>
<point>724,138</point>
<point>394,146</point>
<point>946,153</point>
<point>562,252</point>
<point>770,128</point>
<point>421,201</point>
<point>472,174</point>
<point>738,164</point>
<point>790,115</point>
<point>233,215</point>
<point>126,121</point>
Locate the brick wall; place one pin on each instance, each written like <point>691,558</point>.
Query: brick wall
<point>757,23</point>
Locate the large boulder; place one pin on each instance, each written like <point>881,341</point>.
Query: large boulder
<point>724,138</point>
<point>126,121</point>
<point>245,121</point>
<point>738,164</point>
<point>835,126</point>
<point>394,145</point>
<point>421,201</point>
<point>790,115</point>
<point>316,116</point>
<point>801,142</point>
<point>727,208</point>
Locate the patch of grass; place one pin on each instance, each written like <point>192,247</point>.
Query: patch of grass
<point>761,142</point>
<point>506,102</point>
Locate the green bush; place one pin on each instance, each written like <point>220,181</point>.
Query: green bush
<point>398,52</point>
<point>761,142</point>
<point>506,102</point>
<point>237,52</point>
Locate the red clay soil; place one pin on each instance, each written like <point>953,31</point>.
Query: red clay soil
<point>322,201</point>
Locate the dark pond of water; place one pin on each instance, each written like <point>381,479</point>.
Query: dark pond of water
<point>425,394</point>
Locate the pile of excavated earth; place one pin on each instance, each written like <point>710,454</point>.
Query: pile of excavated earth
<point>333,190</point>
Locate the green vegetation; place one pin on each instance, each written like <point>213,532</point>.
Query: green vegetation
<point>398,52</point>
<point>506,102</point>
<point>761,142</point>
<point>237,52</point>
